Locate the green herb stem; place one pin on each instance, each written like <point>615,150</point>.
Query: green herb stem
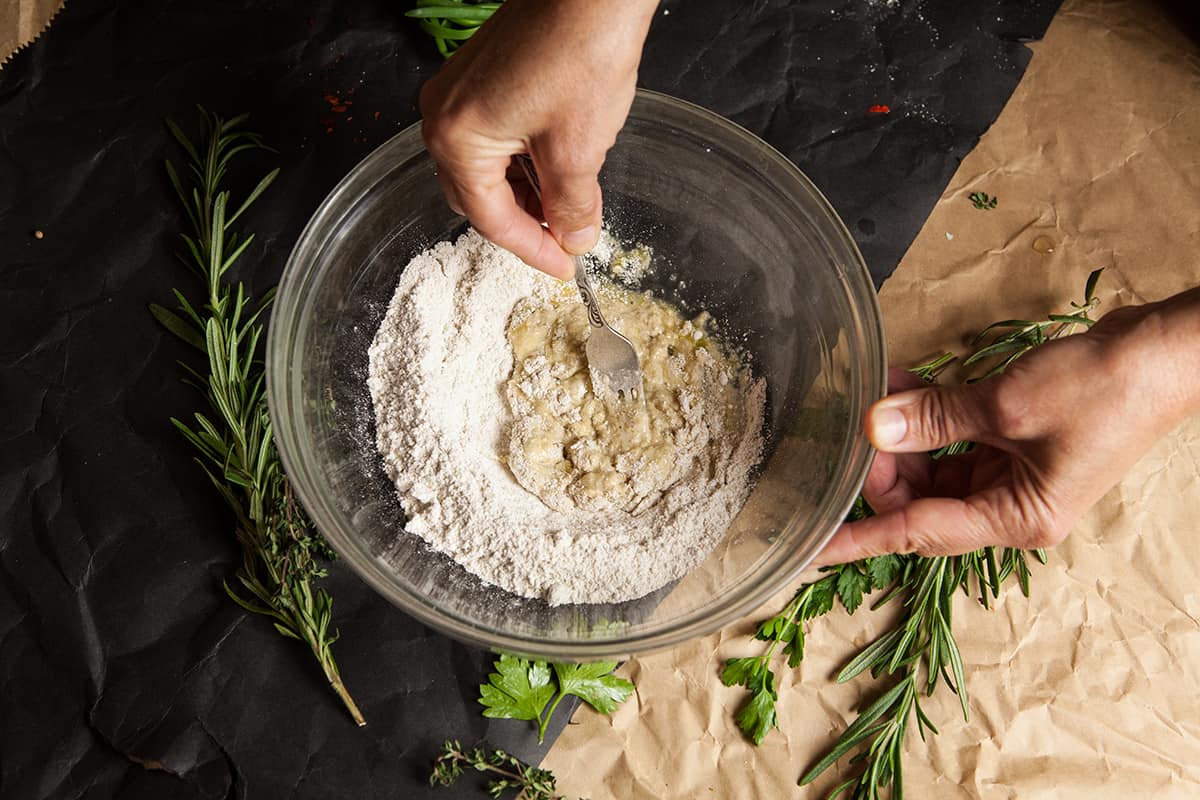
<point>512,774</point>
<point>234,439</point>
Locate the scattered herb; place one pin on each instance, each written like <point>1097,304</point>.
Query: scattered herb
<point>530,783</point>
<point>983,201</point>
<point>234,438</point>
<point>451,22</point>
<point>920,651</point>
<point>522,689</point>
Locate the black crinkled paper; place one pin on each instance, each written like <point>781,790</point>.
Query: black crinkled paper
<point>124,670</point>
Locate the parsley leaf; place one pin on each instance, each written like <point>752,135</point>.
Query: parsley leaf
<point>883,570</point>
<point>594,684</point>
<point>517,690</point>
<point>795,648</point>
<point>821,599</point>
<point>779,628</point>
<point>520,689</point>
<point>742,671</point>
<point>850,587</point>
<point>757,717</point>
<point>860,510</point>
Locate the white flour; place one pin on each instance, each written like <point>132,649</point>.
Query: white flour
<point>438,369</point>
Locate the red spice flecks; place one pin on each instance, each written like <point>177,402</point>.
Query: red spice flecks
<point>880,109</point>
<point>332,99</point>
<point>338,109</point>
<point>329,130</point>
<point>376,115</point>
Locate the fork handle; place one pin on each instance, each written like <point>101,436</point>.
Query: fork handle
<point>595,318</point>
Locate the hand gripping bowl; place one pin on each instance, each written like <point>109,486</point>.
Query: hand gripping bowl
<point>747,237</point>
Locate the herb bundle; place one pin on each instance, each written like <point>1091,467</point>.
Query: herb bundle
<point>233,437</point>
<point>451,22</point>
<point>920,651</point>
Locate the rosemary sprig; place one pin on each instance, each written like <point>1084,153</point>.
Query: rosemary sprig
<point>511,773</point>
<point>920,651</point>
<point>234,437</point>
<point>452,22</point>
<point>1013,338</point>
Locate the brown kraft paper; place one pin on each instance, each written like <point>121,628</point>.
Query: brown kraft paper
<point>1090,688</point>
<point>22,21</point>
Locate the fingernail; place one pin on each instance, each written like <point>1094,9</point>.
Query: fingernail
<point>889,426</point>
<point>580,241</point>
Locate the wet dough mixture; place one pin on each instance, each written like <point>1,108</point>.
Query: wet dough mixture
<point>503,460</point>
<point>577,451</point>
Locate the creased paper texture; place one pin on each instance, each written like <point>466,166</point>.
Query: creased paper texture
<point>22,21</point>
<point>1091,688</point>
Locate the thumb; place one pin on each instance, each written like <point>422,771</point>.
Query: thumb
<point>571,204</point>
<point>928,418</point>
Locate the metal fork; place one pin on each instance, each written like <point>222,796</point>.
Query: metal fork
<point>612,361</point>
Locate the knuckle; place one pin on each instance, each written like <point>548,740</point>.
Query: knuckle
<point>442,131</point>
<point>1043,527</point>
<point>1041,535</point>
<point>929,417</point>
<point>1027,522</point>
<point>437,139</point>
<point>567,156</point>
<point>571,209</point>
<point>1007,409</point>
<point>914,538</point>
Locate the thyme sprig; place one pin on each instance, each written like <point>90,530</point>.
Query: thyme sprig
<point>510,772</point>
<point>920,651</point>
<point>280,552</point>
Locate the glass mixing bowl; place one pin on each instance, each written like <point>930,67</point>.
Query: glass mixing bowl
<point>735,229</point>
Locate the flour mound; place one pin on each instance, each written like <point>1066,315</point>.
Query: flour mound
<point>439,366</point>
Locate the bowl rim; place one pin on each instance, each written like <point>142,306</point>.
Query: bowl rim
<point>281,398</point>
